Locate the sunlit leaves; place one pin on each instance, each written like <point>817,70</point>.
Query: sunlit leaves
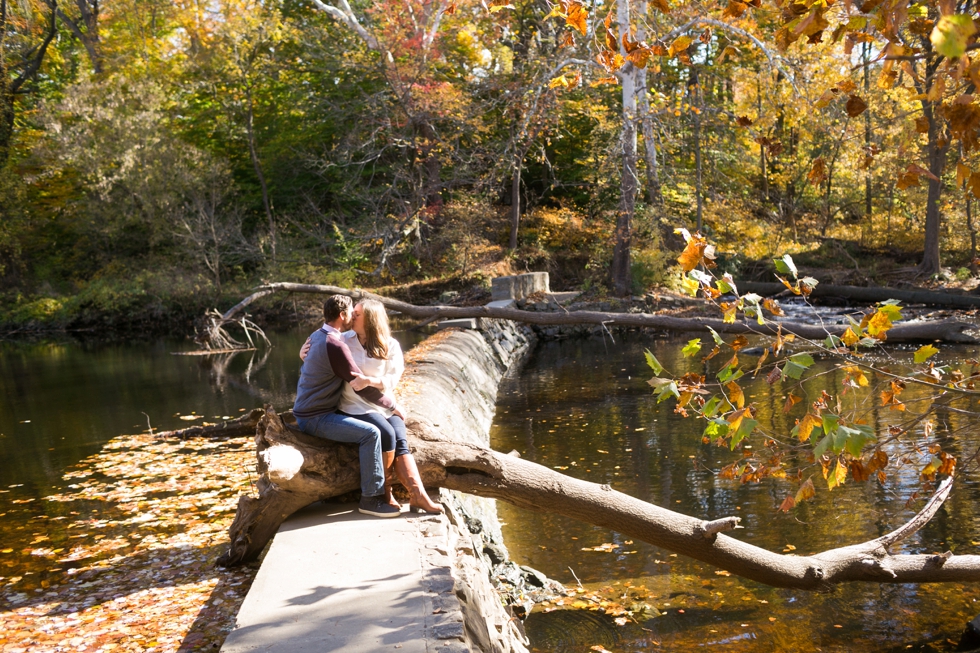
<point>797,365</point>
<point>653,362</point>
<point>785,265</point>
<point>566,80</point>
<point>804,428</point>
<point>696,252</point>
<point>691,348</point>
<point>680,44</point>
<point>889,397</point>
<point>498,5</point>
<point>924,353</point>
<point>575,14</point>
<point>951,34</point>
<point>836,477</point>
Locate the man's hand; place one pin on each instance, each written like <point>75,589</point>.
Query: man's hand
<point>359,382</point>
<point>305,349</point>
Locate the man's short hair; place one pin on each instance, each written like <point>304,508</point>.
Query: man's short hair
<point>335,306</point>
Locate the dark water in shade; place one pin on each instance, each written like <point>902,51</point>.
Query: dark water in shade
<point>584,405</point>
<point>61,401</point>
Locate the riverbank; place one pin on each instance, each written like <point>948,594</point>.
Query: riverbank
<point>148,306</point>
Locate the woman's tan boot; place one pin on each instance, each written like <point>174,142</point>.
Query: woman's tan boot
<point>408,474</point>
<point>388,459</point>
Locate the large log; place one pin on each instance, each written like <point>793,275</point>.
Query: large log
<point>870,294</point>
<point>296,470</point>
<point>913,331</point>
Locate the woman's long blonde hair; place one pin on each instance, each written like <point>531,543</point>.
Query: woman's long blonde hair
<point>376,329</point>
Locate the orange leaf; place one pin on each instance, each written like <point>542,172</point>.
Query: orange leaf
<point>806,491</point>
<point>818,172</point>
<point>791,400</point>
<point>577,17</point>
<point>735,395</point>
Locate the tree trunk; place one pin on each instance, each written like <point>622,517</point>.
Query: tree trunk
<point>694,93</point>
<point>868,294</point>
<point>90,37</point>
<point>936,155</point>
<point>254,154</point>
<point>515,204</point>
<point>296,470</point>
<point>949,330</point>
<point>654,194</point>
<point>622,281</point>
<point>973,237</point>
<point>866,52</point>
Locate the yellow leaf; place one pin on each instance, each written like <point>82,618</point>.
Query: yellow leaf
<point>806,426</point>
<point>837,477</point>
<point>735,395</point>
<point>806,491</point>
<point>855,373</point>
<point>849,337</point>
<point>680,44</point>
<point>728,312</point>
<point>878,325</point>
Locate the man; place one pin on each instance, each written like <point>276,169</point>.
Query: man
<point>327,366</point>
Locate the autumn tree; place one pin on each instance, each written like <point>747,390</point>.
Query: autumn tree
<point>26,31</point>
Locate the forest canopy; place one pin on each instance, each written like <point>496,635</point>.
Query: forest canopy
<point>156,155</point>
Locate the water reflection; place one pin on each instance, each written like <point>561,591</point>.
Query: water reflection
<point>583,407</point>
<point>60,402</point>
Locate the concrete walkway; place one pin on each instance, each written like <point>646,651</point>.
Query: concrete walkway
<point>336,580</point>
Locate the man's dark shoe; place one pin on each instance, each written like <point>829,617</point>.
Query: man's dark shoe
<point>377,507</point>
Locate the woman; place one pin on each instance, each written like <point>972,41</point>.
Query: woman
<point>379,357</point>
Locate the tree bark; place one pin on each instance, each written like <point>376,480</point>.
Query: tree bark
<point>515,204</point>
<point>620,272</point>
<point>654,194</point>
<point>936,154</point>
<point>296,470</point>
<point>694,96</point>
<point>948,330</point>
<point>870,294</point>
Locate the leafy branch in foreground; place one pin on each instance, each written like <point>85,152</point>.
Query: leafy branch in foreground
<point>861,411</point>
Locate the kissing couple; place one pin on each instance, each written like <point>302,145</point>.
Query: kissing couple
<point>351,366</point>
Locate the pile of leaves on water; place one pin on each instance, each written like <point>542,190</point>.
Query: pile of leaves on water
<point>123,558</point>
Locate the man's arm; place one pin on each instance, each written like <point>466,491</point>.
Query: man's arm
<point>344,367</point>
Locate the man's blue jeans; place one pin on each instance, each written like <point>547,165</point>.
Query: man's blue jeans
<point>341,428</point>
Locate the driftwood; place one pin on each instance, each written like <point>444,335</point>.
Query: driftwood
<point>915,331</point>
<point>233,428</point>
<point>296,470</point>
<point>869,294</point>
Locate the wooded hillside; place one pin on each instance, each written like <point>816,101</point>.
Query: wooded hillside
<point>157,155</point>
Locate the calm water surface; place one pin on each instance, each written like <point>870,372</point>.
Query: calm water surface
<point>582,406</point>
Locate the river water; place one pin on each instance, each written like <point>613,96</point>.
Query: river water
<point>581,406</point>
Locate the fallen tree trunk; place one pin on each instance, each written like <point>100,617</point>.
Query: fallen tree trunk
<point>296,470</point>
<point>917,331</point>
<point>869,294</point>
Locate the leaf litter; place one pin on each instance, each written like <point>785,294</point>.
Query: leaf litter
<point>123,557</point>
